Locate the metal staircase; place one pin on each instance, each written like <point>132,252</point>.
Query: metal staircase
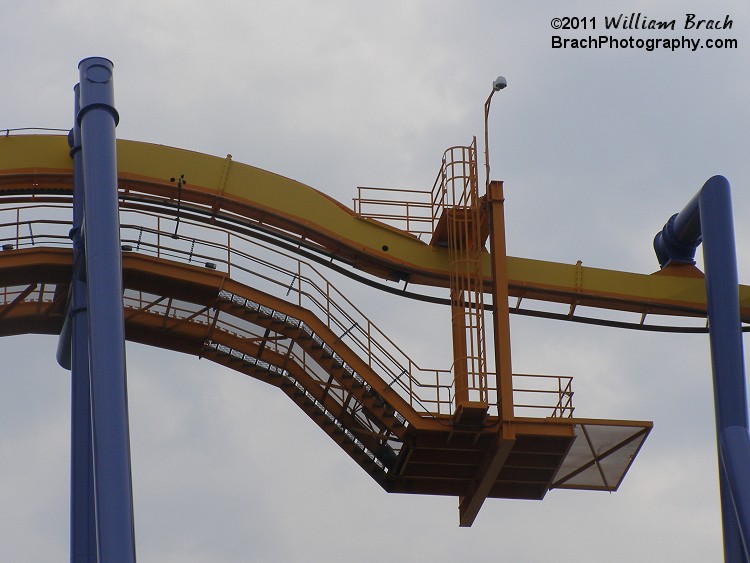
<point>292,356</point>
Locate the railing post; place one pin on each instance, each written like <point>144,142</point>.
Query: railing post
<point>97,119</point>
<point>229,255</point>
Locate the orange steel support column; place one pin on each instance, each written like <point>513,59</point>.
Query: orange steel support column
<point>495,458</point>
<point>500,312</point>
<point>460,359</point>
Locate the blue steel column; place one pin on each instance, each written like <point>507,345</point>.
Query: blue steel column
<point>719,257</point>
<point>114,498</point>
<point>709,215</point>
<point>82,511</point>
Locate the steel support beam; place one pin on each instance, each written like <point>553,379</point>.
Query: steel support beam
<point>75,343</point>
<point>493,462</point>
<point>97,119</point>
<point>708,217</point>
<point>500,310</point>
<point>481,484</point>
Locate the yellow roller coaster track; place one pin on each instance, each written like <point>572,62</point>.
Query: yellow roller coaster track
<point>223,188</point>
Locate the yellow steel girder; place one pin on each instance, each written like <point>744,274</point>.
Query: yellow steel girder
<point>26,161</point>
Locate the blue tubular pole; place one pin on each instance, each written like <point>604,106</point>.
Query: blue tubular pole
<point>719,257</point>
<point>101,231</point>
<point>82,511</point>
<point>711,210</point>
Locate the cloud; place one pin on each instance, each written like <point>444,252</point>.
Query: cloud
<point>597,150</point>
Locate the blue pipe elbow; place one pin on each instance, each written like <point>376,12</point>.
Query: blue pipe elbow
<point>670,247</point>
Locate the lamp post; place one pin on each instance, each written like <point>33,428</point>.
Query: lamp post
<point>499,83</point>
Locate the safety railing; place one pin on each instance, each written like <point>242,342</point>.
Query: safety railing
<point>543,395</point>
<point>453,184</point>
<point>418,211</point>
<point>251,262</point>
<point>256,264</point>
<point>29,130</point>
<point>407,210</point>
<point>284,275</point>
<point>34,225</point>
<point>37,294</point>
<point>216,322</point>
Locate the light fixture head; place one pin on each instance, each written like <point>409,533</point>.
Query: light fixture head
<point>499,83</point>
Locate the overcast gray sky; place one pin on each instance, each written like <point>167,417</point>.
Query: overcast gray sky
<point>597,148</point>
